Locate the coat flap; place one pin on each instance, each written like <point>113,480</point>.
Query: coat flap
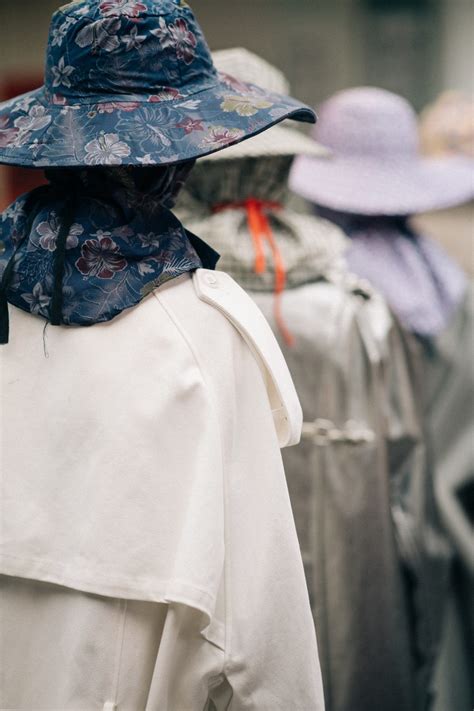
<point>219,290</point>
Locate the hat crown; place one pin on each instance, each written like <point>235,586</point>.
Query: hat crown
<point>368,122</point>
<point>248,67</point>
<point>126,47</point>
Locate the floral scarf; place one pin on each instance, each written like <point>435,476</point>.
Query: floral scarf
<point>93,243</point>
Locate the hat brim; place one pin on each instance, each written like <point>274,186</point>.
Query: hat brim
<point>391,187</point>
<point>277,141</point>
<point>36,132</point>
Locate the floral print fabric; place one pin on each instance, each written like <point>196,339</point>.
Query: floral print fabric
<point>122,243</point>
<point>132,83</point>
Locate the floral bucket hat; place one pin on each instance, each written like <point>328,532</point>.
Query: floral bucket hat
<point>132,82</point>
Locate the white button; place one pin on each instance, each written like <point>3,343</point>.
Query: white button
<point>211,280</point>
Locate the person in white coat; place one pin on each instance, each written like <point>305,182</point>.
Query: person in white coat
<point>148,554</point>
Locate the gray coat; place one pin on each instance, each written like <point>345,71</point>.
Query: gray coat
<point>359,480</point>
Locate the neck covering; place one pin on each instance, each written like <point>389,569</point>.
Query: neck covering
<point>219,202</point>
<point>421,283</point>
<point>241,208</point>
<point>94,242</point>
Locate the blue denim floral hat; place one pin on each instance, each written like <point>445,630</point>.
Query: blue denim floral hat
<point>132,82</point>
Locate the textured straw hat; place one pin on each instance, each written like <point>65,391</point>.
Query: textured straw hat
<point>132,82</point>
<point>280,140</point>
<point>377,167</point>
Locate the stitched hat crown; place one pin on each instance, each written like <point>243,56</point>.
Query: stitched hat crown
<point>370,122</point>
<point>138,48</point>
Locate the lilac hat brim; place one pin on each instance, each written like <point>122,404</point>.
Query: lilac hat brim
<point>131,130</point>
<point>384,187</point>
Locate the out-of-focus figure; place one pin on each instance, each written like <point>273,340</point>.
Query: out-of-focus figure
<point>376,181</point>
<point>362,456</point>
<point>447,128</point>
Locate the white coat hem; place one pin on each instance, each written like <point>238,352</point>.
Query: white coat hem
<point>144,589</point>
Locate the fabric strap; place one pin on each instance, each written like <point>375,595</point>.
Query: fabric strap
<point>261,232</point>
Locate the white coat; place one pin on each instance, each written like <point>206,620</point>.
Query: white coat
<point>140,463</point>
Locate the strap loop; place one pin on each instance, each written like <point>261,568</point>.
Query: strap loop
<point>261,232</point>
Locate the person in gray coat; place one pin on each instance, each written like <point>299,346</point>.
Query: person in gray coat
<point>358,480</point>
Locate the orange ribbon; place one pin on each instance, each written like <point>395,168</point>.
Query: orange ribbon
<point>261,231</point>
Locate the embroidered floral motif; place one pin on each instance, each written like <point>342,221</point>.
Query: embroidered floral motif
<point>38,301</point>
<point>146,160</point>
<point>8,134</point>
<point>245,105</point>
<point>178,36</point>
<point>36,119</point>
<point>113,106</point>
<point>220,136</point>
<point>49,231</point>
<point>100,258</point>
<point>14,212</point>
<point>57,35</point>
<point>106,150</point>
<point>150,239</point>
<point>234,83</point>
<point>20,133</point>
<point>100,35</point>
<point>190,105</point>
<point>165,94</point>
<point>150,126</point>
<point>190,125</point>
<point>147,266</point>
<point>133,40</point>
<point>21,103</point>
<point>61,74</point>
<point>132,8</point>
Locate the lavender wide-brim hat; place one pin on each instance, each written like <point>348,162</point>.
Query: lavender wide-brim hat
<point>132,82</point>
<point>376,166</point>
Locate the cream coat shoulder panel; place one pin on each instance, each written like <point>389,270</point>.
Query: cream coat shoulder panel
<point>221,291</point>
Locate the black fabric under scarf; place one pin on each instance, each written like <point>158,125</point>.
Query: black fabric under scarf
<point>93,243</point>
